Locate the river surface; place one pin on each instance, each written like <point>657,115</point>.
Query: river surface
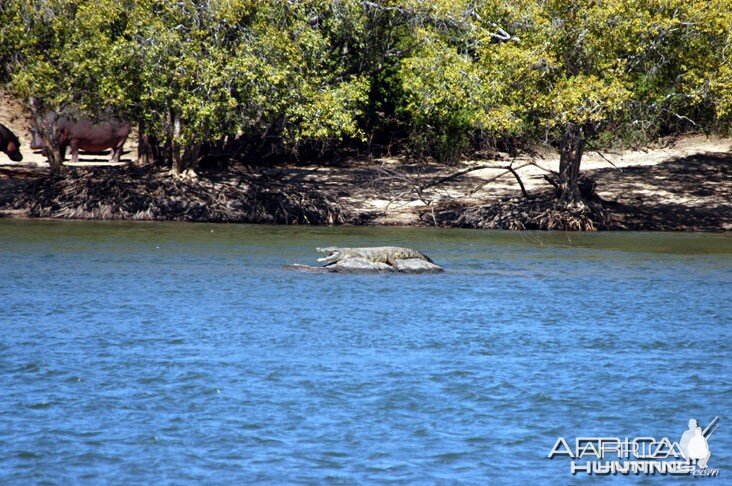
<point>156,353</point>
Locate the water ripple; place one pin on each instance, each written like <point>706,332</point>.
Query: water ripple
<point>208,363</point>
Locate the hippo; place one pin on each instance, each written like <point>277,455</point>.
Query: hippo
<point>10,144</point>
<point>85,134</point>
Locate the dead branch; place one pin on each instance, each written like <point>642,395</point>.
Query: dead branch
<point>602,155</point>
<point>508,170</point>
<point>457,174</point>
<point>518,179</point>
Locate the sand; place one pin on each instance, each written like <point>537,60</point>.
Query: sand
<point>692,172</point>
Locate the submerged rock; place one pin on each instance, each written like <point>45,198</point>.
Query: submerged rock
<point>415,265</point>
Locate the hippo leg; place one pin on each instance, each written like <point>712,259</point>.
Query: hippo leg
<point>116,153</point>
<point>62,152</point>
<point>74,151</point>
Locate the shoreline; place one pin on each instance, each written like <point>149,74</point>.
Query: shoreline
<point>680,184</point>
<point>684,186</point>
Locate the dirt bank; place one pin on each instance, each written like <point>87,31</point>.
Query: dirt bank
<point>680,184</point>
<point>687,186</point>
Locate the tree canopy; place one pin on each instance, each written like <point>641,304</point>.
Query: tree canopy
<point>442,75</point>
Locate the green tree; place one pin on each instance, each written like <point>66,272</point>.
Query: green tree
<point>320,73</point>
<point>218,68</point>
<point>190,72</point>
<point>462,77</point>
<point>67,54</point>
<point>571,69</point>
<point>614,65</point>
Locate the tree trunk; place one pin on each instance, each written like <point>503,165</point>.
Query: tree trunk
<point>148,148</point>
<point>573,144</point>
<point>47,131</point>
<point>174,135</point>
<point>185,159</point>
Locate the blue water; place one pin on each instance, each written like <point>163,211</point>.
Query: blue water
<point>174,353</point>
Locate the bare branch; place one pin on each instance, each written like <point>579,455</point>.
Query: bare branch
<point>518,179</point>
<point>507,170</point>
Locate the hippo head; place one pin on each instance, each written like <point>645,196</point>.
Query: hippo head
<point>13,149</point>
<point>333,254</point>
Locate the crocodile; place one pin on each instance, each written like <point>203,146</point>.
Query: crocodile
<point>376,254</point>
<point>380,259</point>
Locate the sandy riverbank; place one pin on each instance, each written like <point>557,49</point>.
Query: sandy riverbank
<point>680,184</point>
<point>684,185</point>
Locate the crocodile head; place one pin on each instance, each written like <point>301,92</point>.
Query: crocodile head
<point>333,254</point>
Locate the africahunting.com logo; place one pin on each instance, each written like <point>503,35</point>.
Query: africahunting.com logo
<point>641,455</point>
